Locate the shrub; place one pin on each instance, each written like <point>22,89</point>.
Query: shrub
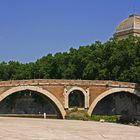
<point>76,114</point>
<point>128,119</point>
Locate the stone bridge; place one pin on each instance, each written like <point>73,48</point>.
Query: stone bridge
<point>58,91</point>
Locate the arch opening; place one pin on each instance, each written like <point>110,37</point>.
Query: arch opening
<point>28,102</point>
<point>118,103</point>
<point>56,103</point>
<point>76,99</point>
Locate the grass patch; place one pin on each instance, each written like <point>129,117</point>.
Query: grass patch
<point>105,118</point>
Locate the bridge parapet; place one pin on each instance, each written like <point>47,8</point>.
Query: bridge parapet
<point>53,82</point>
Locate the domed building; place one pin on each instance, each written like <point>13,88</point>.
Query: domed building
<point>130,26</point>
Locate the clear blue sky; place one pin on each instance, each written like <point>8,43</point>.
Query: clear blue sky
<point>30,29</point>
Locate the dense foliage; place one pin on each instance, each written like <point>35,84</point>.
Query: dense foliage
<point>113,60</point>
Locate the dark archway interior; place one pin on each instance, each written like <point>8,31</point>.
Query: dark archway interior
<point>28,102</point>
<point>76,99</point>
<point>121,103</point>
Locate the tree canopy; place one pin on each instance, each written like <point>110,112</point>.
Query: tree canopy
<point>117,60</point>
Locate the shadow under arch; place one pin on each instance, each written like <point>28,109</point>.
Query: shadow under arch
<point>36,89</point>
<point>109,92</point>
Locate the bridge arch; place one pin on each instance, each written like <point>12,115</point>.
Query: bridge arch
<point>36,89</point>
<point>85,92</point>
<point>109,92</point>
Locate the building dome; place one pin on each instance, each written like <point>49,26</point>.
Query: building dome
<point>130,26</point>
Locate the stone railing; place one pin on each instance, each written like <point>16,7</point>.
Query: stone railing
<point>43,82</point>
